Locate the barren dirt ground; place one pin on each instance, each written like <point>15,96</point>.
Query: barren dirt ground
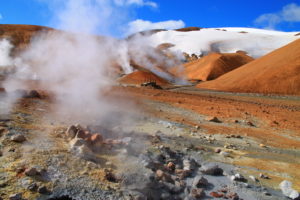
<point>256,134</point>
<point>269,125</point>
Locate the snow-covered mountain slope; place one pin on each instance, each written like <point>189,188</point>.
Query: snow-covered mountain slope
<point>256,42</point>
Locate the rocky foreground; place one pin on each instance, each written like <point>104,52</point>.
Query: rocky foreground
<point>157,156</point>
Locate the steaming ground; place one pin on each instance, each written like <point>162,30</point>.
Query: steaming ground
<point>132,142</point>
<point>163,127</point>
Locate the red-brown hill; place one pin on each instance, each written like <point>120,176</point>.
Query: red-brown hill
<point>214,65</point>
<point>20,35</point>
<point>139,77</point>
<point>277,72</point>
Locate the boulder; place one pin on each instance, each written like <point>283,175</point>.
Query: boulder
<point>18,138</point>
<point>71,132</point>
<point>213,170</point>
<point>288,191</point>
<point>31,172</point>
<point>171,166</point>
<point>238,177</point>
<point>17,196</point>
<point>263,176</point>
<point>200,182</point>
<point>33,94</point>
<point>182,174</point>
<point>164,176</point>
<point>218,150</point>
<point>43,190</point>
<point>81,134</point>
<point>250,124</point>
<point>197,193</point>
<point>32,187</point>
<point>96,139</point>
<point>253,178</point>
<point>213,119</point>
<point>189,164</point>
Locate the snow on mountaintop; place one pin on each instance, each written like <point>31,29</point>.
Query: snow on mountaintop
<point>256,42</point>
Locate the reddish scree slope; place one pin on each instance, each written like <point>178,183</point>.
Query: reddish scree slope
<point>20,35</point>
<point>139,77</point>
<point>277,72</point>
<point>214,65</point>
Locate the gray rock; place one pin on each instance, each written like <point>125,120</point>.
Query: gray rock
<point>218,150</point>
<point>213,170</point>
<point>18,138</point>
<point>197,193</point>
<point>263,176</point>
<point>33,94</point>
<point>253,178</point>
<point>3,184</point>
<point>200,182</point>
<point>267,194</point>
<point>76,142</point>
<point>43,190</point>
<point>31,172</point>
<point>213,119</point>
<point>33,187</point>
<point>17,196</point>
<point>71,132</point>
<point>238,177</point>
<point>189,164</point>
<point>288,191</point>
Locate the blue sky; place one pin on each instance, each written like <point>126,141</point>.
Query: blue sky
<point>271,14</point>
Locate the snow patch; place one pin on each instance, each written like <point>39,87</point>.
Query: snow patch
<point>256,42</point>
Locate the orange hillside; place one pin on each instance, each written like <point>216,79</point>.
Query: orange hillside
<point>20,35</point>
<point>277,72</point>
<point>214,65</point>
<point>139,77</point>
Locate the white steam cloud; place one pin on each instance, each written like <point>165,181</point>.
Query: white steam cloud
<point>142,25</point>
<point>289,13</point>
<point>76,67</point>
<point>5,48</point>
<point>156,61</point>
<point>79,67</point>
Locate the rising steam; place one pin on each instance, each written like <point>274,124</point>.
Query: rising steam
<point>77,66</point>
<point>5,48</point>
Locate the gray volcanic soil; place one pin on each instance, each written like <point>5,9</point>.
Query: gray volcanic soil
<point>152,144</point>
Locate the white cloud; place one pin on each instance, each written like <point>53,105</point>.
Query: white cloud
<point>142,25</point>
<point>289,13</point>
<point>136,2</point>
